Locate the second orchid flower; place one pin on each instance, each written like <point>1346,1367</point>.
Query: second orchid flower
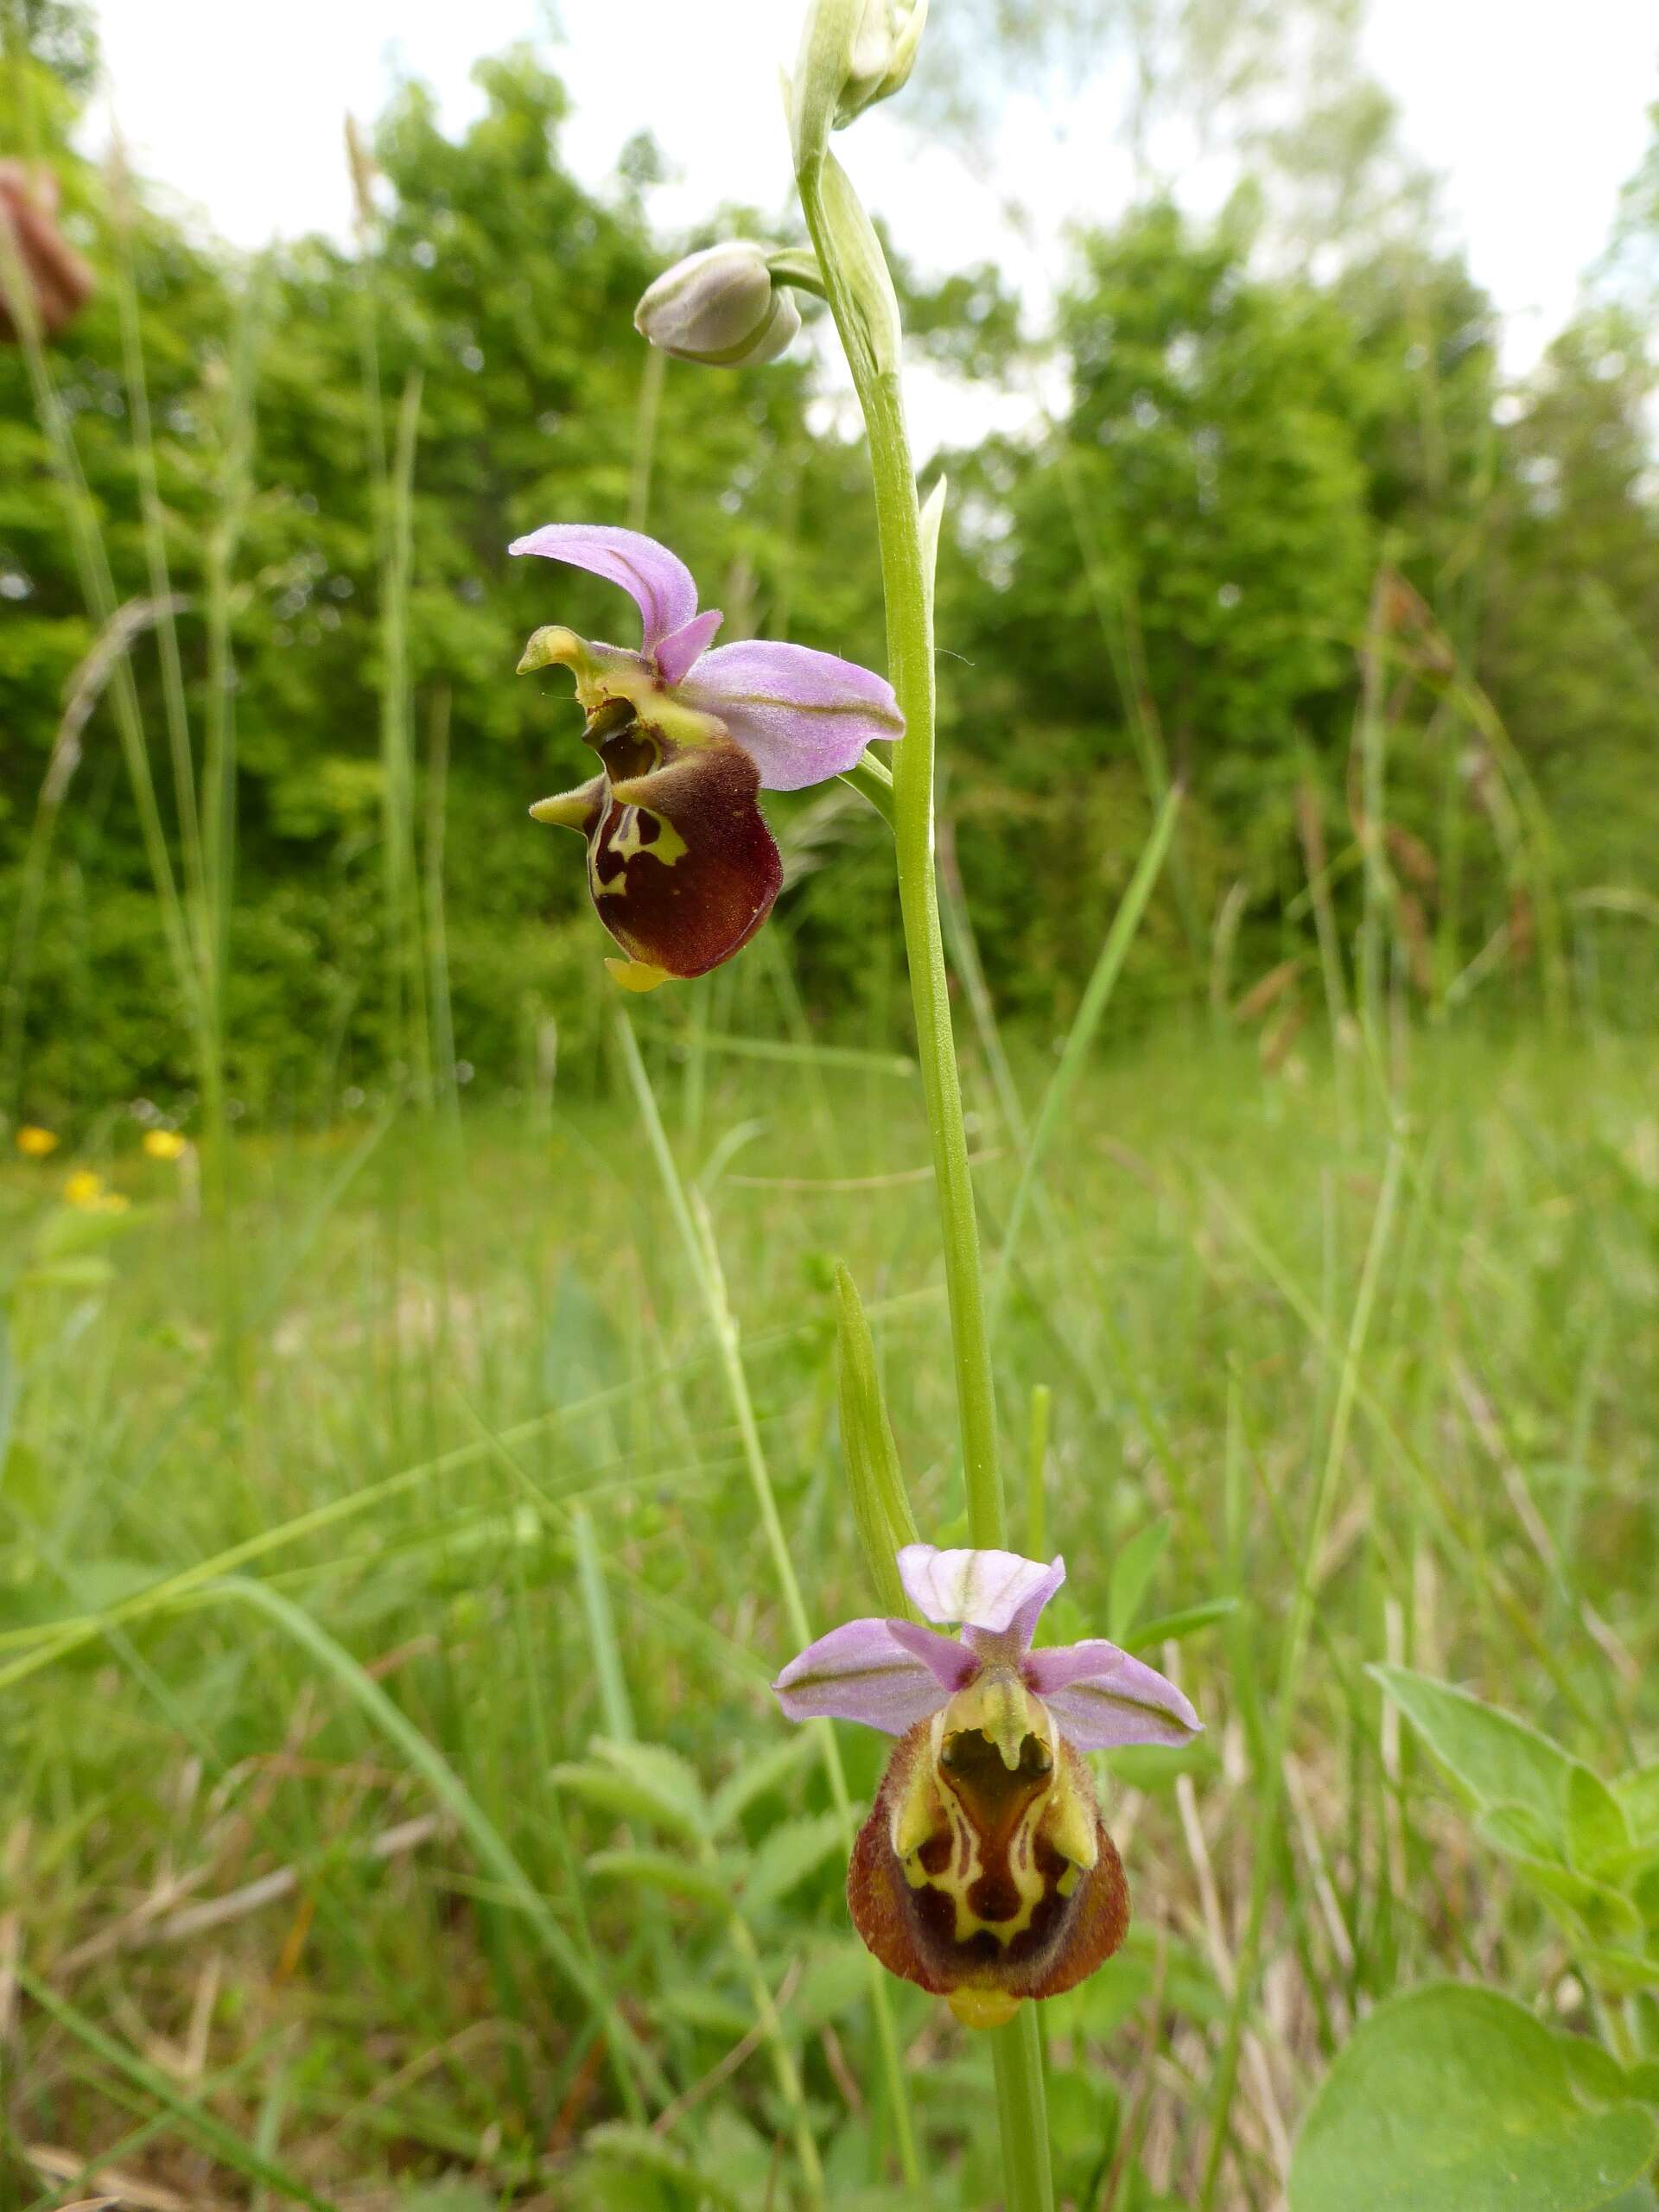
<point>984,1871</point>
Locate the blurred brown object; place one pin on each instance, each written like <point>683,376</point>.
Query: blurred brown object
<point>1523,935</point>
<point>1401,610</point>
<point>60,282</point>
<point>1268,989</point>
<point>1411,856</point>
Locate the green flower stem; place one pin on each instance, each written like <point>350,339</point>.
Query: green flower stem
<point>907,583</point>
<point>870,343</point>
<point>1022,2108</point>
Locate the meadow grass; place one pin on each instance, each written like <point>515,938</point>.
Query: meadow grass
<point>315,1888</point>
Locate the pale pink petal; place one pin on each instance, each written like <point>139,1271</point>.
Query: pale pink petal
<point>951,1662</point>
<point>862,1671</point>
<point>658,582</point>
<point>676,653</point>
<point>1023,1626</point>
<point>987,1590</point>
<point>801,716</point>
<point>1102,1697</point>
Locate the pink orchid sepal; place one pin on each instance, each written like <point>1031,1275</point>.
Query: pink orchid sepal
<point>681,865</point>
<point>984,1873</point>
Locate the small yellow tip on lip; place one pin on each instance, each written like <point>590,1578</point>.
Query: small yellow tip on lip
<point>983,2008</point>
<point>637,975</point>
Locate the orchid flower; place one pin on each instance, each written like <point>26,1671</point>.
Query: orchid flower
<point>681,865</point>
<point>984,1872</point>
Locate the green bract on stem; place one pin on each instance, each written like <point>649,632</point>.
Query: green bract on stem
<point>860,290</point>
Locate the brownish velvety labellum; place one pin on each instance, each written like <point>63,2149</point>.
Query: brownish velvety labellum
<point>971,1875</point>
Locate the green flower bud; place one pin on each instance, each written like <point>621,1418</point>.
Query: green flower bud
<point>720,307</point>
<point>884,53</point>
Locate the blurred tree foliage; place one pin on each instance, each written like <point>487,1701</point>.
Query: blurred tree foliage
<point>1174,576</point>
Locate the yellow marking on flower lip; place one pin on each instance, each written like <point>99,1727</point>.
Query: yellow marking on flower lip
<point>980,1813</point>
<point>958,1878</point>
<point>625,840</point>
<point>1072,1832</point>
<point>954,1782</point>
<point>916,1816</point>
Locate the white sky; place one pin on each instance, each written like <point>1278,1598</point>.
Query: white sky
<point>1533,111</point>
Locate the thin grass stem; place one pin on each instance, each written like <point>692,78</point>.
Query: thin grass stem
<point>697,1236</point>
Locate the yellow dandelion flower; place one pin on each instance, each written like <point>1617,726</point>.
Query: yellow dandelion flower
<point>113,1202</point>
<point>35,1142</point>
<point>163,1144</point>
<point>85,1189</point>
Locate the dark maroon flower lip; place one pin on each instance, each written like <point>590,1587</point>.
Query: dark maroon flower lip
<point>681,865</point>
<point>990,1907</point>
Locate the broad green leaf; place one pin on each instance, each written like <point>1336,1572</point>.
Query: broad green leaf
<point>1598,1834</point>
<point>1170,1628</point>
<point>757,1775</point>
<point>1159,1766</point>
<point>648,2153</point>
<point>696,2004</point>
<point>666,1777</point>
<point>1629,1970</point>
<point>745,2161</point>
<point>937,2195</point>
<point>1082,2121</point>
<point>1498,1759</point>
<point>630,1797</point>
<point>789,1854</point>
<point>1117,1991</point>
<point>1606,1915</point>
<point>836,1977</point>
<point>86,1273</point>
<point>8,1386</point>
<point>1517,1832</point>
<point>71,1230</point>
<point>1637,1793</point>
<point>668,1871</point>
<point>1453,2098</point>
<point>1132,1570</point>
